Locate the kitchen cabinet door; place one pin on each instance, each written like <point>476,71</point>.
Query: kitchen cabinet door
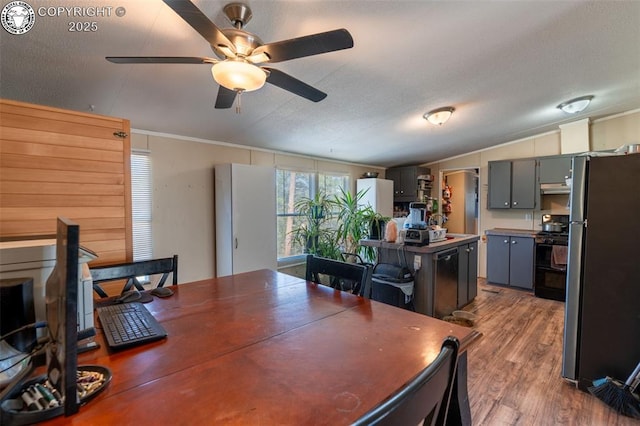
<point>498,247</point>
<point>523,184</point>
<point>467,273</point>
<point>512,184</point>
<point>510,260</point>
<point>554,169</point>
<point>521,262</point>
<point>405,182</point>
<point>499,185</point>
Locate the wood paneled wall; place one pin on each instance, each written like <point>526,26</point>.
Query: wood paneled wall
<point>55,162</point>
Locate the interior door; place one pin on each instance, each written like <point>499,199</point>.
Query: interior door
<point>254,218</point>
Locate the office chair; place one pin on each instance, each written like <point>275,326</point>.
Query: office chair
<point>130,272</point>
<point>342,275</point>
<point>423,398</point>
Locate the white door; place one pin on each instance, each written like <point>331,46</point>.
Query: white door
<point>254,218</point>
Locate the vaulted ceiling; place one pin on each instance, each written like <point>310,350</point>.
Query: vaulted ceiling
<point>503,66</point>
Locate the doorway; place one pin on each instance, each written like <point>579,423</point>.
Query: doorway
<point>463,205</point>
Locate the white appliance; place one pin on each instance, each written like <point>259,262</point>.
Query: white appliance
<point>245,218</point>
<point>36,259</point>
<point>378,195</point>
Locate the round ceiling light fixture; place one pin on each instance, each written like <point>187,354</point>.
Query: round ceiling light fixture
<point>575,105</point>
<point>239,75</point>
<point>439,116</point>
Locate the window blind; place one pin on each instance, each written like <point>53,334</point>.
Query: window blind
<point>141,205</point>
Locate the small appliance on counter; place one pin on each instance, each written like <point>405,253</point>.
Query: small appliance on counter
<point>417,216</point>
<point>415,227</point>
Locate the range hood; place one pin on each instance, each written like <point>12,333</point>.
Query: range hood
<point>554,188</point>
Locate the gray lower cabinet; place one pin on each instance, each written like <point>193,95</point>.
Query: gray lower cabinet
<point>510,260</point>
<point>467,273</point>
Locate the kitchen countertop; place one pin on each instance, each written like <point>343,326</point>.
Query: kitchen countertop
<point>511,232</point>
<point>458,239</point>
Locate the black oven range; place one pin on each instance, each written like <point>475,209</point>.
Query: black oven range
<point>551,258</point>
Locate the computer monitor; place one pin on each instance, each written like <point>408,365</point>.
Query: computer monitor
<point>61,298</point>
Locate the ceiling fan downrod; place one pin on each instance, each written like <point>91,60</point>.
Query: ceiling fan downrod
<point>239,14</point>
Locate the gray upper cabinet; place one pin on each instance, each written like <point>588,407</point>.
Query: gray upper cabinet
<point>512,184</point>
<point>405,182</point>
<point>554,169</point>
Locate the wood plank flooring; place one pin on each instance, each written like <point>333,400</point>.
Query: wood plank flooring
<point>514,369</point>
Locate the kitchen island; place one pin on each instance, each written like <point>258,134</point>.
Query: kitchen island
<point>445,272</point>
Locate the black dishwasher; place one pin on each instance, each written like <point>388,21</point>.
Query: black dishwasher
<point>445,288</point>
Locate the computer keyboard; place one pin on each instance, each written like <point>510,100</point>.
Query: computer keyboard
<point>129,324</point>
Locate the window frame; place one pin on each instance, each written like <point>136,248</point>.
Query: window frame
<point>314,186</point>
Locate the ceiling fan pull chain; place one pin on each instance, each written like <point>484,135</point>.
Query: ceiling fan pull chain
<point>238,103</point>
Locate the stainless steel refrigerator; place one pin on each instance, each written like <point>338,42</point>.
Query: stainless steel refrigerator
<point>602,310</point>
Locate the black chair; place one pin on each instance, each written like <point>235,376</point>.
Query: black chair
<point>344,276</point>
<point>424,398</point>
<point>130,272</point>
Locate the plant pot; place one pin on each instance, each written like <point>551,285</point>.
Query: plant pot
<point>376,229</point>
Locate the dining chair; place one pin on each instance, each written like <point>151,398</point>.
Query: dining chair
<point>425,398</point>
<point>344,276</point>
<point>131,271</point>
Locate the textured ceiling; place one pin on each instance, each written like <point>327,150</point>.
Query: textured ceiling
<point>504,66</point>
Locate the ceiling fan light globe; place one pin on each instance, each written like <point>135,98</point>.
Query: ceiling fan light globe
<point>238,75</point>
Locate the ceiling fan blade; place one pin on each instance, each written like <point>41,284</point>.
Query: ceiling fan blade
<point>160,60</point>
<point>199,21</point>
<point>306,46</point>
<point>225,98</point>
<point>293,85</point>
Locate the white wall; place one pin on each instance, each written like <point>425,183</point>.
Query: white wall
<point>183,193</point>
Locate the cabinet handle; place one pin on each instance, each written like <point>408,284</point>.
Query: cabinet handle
<point>506,241</point>
<point>467,250</point>
<point>515,203</point>
<point>470,248</point>
<point>514,242</point>
<point>506,203</point>
<point>236,242</point>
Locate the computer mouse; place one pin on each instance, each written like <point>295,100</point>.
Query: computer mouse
<point>161,292</point>
<point>129,296</point>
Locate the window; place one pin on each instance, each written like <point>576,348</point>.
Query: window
<point>291,186</point>
<point>141,205</point>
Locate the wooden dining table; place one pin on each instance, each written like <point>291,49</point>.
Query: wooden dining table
<point>264,348</point>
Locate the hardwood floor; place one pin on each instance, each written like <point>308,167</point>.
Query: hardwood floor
<point>514,369</point>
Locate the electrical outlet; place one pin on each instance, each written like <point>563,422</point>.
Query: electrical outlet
<point>528,216</point>
<point>417,262</point>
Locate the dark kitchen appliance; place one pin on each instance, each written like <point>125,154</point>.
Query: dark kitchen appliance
<point>602,311</point>
<point>551,258</point>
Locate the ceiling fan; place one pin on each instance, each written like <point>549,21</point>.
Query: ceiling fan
<point>241,54</point>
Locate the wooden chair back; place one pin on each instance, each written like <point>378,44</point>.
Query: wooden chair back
<point>425,398</point>
<point>130,272</point>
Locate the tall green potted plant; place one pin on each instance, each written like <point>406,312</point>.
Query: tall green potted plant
<point>356,222</point>
<point>315,233</point>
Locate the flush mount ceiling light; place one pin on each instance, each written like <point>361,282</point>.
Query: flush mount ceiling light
<point>238,74</point>
<point>439,116</point>
<point>575,105</point>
